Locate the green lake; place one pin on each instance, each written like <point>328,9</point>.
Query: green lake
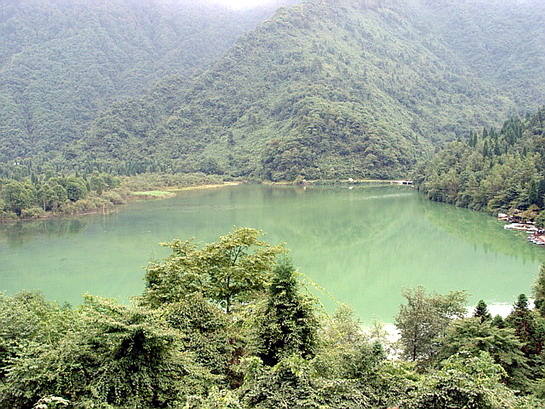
<point>363,245</point>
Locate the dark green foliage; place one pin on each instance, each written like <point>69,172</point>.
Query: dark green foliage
<point>512,178</point>
<point>529,327</point>
<point>287,325</point>
<point>473,336</point>
<point>30,195</point>
<point>539,291</point>
<point>17,196</point>
<point>540,220</point>
<point>286,385</point>
<point>463,382</point>
<point>125,357</point>
<point>498,321</point>
<point>205,332</point>
<point>62,62</point>
<point>28,318</point>
<point>320,90</point>
<point>481,311</point>
<point>330,90</point>
<point>353,369</point>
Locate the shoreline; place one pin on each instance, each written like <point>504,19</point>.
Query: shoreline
<point>352,182</point>
<point>129,197</point>
<point>169,192</point>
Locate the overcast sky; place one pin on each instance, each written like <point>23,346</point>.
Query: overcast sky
<point>241,4</point>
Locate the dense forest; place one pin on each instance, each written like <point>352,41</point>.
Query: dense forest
<point>494,170</point>
<point>323,89</point>
<point>64,61</point>
<point>229,325</point>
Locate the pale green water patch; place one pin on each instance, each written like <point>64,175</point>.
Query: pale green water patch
<point>363,245</point>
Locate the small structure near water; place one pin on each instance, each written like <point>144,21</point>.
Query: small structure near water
<point>401,182</point>
<point>537,236</point>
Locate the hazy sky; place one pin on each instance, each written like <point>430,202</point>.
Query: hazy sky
<point>240,4</point>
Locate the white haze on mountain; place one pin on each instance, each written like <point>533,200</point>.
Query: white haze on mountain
<point>243,4</point>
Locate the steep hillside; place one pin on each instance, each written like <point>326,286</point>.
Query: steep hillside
<point>62,61</point>
<point>336,88</point>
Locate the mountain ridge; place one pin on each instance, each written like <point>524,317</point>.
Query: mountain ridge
<point>324,89</point>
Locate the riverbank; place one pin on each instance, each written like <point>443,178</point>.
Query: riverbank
<point>536,235</point>
<point>109,202</point>
<point>344,182</point>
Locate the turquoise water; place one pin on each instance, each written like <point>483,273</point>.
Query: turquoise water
<point>363,245</point>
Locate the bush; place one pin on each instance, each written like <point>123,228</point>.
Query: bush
<point>114,198</point>
<point>540,220</point>
<point>32,213</point>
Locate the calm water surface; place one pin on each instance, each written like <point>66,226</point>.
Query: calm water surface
<point>363,245</point>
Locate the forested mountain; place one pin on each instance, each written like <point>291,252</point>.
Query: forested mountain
<point>500,40</point>
<point>322,89</point>
<point>494,170</point>
<point>338,88</point>
<point>63,61</point>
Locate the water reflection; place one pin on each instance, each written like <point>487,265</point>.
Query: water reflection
<point>363,245</point>
<point>23,232</point>
<point>482,231</point>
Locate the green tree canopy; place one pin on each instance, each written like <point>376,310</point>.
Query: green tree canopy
<point>230,271</point>
<point>17,196</point>
<point>464,382</point>
<point>425,318</point>
<point>481,311</point>
<point>287,325</point>
<point>472,336</point>
<point>539,291</point>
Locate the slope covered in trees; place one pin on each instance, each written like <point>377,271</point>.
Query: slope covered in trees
<point>494,170</point>
<point>339,88</point>
<point>61,61</point>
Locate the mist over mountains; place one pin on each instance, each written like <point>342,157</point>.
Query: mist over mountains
<point>321,89</point>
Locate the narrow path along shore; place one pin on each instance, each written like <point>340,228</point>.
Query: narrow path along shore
<point>348,181</point>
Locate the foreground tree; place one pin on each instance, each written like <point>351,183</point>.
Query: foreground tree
<point>27,318</point>
<point>539,291</point>
<point>424,319</point>
<point>463,382</point>
<point>204,330</point>
<point>528,326</point>
<point>288,325</point>
<point>230,271</point>
<point>472,336</point>
<point>126,357</point>
<point>481,311</point>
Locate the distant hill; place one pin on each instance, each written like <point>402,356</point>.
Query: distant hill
<point>339,88</point>
<point>63,61</point>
